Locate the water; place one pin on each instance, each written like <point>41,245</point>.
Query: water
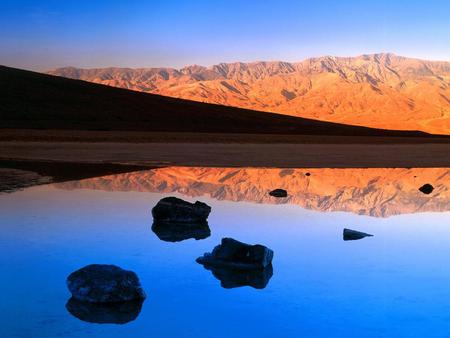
<point>395,284</point>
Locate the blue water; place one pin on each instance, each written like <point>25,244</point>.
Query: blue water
<point>395,284</point>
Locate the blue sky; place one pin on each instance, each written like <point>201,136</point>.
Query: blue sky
<point>45,34</point>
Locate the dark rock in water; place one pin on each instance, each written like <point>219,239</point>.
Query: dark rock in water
<point>172,209</point>
<point>232,278</point>
<point>278,193</point>
<point>237,255</point>
<point>351,235</point>
<point>98,283</point>
<point>176,231</point>
<point>308,174</point>
<point>426,189</point>
<point>105,313</point>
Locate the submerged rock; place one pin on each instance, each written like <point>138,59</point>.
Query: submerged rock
<point>237,255</point>
<point>426,189</point>
<point>99,283</point>
<point>278,193</point>
<point>232,278</point>
<point>351,235</point>
<point>172,209</point>
<point>105,313</point>
<point>176,231</point>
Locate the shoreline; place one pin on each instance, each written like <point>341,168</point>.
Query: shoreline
<point>105,136</point>
<point>302,155</point>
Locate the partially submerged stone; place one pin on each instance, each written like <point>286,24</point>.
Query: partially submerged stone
<point>278,193</point>
<point>232,278</point>
<point>351,235</point>
<point>173,209</point>
<point>99,283</point>
<point>105,313</point>
<point>237,255</point>
<point>426,189</point>
<point>177,231</point>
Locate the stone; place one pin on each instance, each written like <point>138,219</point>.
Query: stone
<point>278,193</point>
<point>351,235</point>
<point>99,283</point>
<point>173,209</point>
<point>237,255</point>
<point>426,189</point>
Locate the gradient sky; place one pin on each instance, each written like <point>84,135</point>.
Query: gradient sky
<point>45,34</point>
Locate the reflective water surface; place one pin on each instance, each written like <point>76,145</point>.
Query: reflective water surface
<point>394,284</point>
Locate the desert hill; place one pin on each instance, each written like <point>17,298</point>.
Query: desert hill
<point>34,100</point>
<point>379,90</point>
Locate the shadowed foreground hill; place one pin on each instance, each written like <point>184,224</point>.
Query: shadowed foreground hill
<point>34,100</point>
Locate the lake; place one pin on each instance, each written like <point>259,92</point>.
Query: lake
<point>394,284</point>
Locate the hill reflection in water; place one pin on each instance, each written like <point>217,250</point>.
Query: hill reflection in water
<point>376,192</point>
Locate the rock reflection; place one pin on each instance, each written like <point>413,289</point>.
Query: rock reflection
<point>177,232</point>
<point>232,278</point>
<point>105,313</point>
<point>379,192</point>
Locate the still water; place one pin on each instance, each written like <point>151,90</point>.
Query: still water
<point>395,284</point>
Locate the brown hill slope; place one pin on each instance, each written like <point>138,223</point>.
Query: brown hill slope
<point>34,100</point>
<point>379,90</point>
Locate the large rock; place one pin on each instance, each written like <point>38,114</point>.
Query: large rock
<point>176,231</point>
<point>237,255</point>
<point>232,278</point>
<point>278,193</point>
<point>351,235</point>
<point>426,189</point>
<point>172,209</point>
<point>98,283</point>
<point>105,313</point>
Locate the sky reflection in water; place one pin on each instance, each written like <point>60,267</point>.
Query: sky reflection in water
<point>392,284</point>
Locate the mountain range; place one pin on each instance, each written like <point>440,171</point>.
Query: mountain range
<point>30,100</point>
<point>378,90</point>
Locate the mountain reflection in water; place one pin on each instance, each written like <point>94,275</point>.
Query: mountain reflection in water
<point>376,192</point>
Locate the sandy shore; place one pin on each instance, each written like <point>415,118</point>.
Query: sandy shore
<point>235,155</point>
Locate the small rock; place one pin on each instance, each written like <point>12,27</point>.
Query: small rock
<point>99,283</point>
<point>177,232</point>
<point>351,235</point>
<point>426,189</point>
<point>237,255</point>
<point>105,313</point>
<point>308,174</point>
<point>278,193</point>
<point>172,209</point>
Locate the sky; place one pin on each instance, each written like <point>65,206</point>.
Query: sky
<point>45,34</point>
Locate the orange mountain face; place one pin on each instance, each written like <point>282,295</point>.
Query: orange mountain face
<point>379,90</point>
<point>376,192</point>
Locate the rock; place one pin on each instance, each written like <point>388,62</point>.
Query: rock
<point>278,193</point>
<point>172,209</point>
<point>176,231</point>
<point>426,189</point>
<point>237,255</point>
<point>232,278</point>
<point>308,174</point>
<point>105,313</point>
<point>351,235</point>
<point>98,283</point>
